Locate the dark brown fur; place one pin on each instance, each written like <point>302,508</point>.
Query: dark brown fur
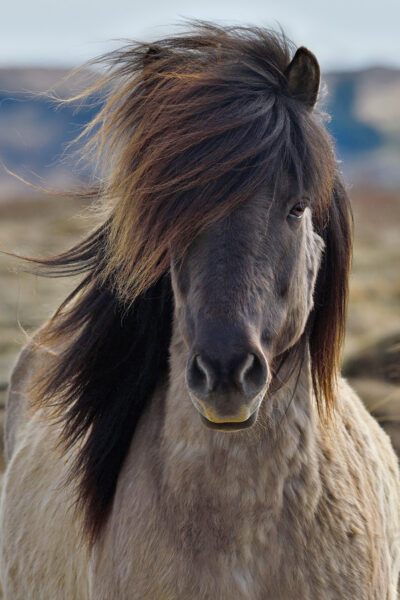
<point>191,129</point>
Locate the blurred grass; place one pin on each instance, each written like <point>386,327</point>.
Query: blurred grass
<point>375,282</point>
<point>33,228</point>
<point>47,226</point>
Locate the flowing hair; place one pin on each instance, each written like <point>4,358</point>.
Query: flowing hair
<point>191,127</point>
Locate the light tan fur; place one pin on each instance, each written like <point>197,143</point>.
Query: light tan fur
<point>285,510</point>
<point>292,508</point>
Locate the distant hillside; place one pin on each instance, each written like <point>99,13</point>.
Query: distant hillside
<point>34,132</point>
<point>365,122</point>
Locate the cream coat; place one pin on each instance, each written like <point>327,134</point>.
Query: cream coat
<point>286,510</point>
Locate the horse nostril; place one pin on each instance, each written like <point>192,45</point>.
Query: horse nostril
<point>199,376</point>
<point>252,374</point>
<point>248,375</point>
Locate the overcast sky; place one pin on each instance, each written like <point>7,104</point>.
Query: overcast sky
<point>342,33</point>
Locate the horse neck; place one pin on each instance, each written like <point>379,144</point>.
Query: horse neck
<point>262,461</point>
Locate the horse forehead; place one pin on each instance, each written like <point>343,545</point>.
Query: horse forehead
<point>248,216</point>
<point>250,228</point>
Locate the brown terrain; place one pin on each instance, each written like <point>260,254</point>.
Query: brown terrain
<point>39,227</point>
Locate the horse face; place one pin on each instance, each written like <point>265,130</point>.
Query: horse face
<point>243,293</point>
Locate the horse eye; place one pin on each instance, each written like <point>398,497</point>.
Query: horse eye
<point>297,211</point>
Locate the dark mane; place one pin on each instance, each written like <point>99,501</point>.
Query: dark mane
<point>191,127</point>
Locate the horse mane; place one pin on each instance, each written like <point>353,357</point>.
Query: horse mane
<point>191,127</point>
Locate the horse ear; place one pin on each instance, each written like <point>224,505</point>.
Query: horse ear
<point>303,77</point>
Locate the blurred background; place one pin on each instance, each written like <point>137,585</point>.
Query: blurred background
<point>358,46</point>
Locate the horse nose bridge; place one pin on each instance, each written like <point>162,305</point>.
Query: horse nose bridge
<point>224,333</point>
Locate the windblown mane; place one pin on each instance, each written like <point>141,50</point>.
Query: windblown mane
<point>191,127</point>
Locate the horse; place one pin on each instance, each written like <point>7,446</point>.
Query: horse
<point>179,428</point>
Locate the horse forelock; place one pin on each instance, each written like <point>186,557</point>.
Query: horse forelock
<point>194,125</point>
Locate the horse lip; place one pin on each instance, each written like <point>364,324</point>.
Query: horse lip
<point>230,426</point>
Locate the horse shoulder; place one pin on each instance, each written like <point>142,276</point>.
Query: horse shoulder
<point>16,403</point>
<point>41,554</point>
<point>369,446</point>
<point>369,437</point>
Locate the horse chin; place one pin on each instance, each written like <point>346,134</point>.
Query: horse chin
<point>230,426</point>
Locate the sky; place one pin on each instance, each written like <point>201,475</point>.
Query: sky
<point>344,34</point>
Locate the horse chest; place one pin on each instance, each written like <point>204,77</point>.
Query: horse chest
<point>201,561</point>
<point>174,549</point>
<point>199,546</point>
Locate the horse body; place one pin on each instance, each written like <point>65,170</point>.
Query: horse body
<point>273,512</point>
<point>179,430</point>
